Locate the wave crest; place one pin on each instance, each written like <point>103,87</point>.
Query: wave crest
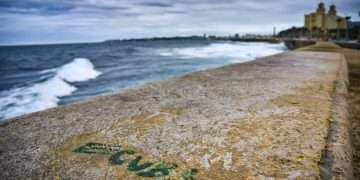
<point>237,52</point>
<point>46,94</point>
<point>80,69</point>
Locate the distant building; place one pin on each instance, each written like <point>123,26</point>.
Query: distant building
<point>325,21</point>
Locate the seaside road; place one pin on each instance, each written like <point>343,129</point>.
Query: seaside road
<point>276,117</point>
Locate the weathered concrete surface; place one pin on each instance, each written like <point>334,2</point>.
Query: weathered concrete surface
<point>337,156</point>
<point>353,59</point>
<point>266,118</point>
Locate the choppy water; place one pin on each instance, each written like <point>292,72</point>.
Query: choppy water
<point>34,78</point>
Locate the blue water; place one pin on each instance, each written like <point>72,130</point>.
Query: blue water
<point>34,78</point>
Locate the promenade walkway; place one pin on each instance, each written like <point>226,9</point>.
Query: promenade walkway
<point>353,59</point>
<point>281,117</point>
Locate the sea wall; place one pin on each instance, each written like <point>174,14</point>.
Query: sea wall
<point>337,157</point>
<point>282,117</point>
<point>296,44</point>
<point>337,161</point>
<point>349,45</point>
<point>353,59</point>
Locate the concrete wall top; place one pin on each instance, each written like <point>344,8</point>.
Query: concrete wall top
<point>266,118</point>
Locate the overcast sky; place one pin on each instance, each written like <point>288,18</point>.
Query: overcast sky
<point>57,21</point>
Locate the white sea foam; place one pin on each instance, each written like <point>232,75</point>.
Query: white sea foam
<point>46,94</point>
<point>80,69</point>
<point>235,52</point>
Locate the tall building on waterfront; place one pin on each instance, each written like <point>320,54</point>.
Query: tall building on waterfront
<point>325,21</point>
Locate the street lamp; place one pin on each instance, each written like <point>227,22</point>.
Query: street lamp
<point>338,20</point>
<point>359,30</point>
<point>347,27</point>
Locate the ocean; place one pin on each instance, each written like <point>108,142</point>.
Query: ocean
<point>38,77</point>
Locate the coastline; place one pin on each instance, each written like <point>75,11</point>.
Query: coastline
<point>275,111</point>
<point>130,65</point>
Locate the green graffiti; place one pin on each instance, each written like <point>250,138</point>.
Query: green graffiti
<point>98,148</point>
<point>157,170</point>
<point>146,169</point>
<point>134,165</point>
<point>190,174</point>
<point>117,157</point>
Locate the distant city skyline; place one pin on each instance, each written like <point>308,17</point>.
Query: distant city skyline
<point>54,21</point>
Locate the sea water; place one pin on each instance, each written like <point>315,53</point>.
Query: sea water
<point>35,78</point>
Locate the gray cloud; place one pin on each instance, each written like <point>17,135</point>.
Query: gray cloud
<point>38,21</point>
<point>157,4</point>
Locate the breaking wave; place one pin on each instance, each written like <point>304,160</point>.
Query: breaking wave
<point>45,94</point>
<point>237,52</point>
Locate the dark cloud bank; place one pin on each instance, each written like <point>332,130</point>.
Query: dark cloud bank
<point>54,21</point>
